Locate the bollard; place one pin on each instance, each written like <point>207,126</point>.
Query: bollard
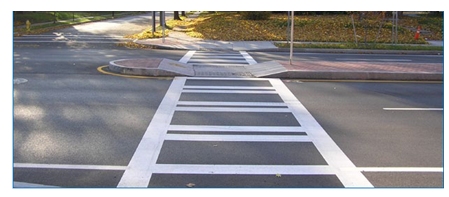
<point>28,24</point>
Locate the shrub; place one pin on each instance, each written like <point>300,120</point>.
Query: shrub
<point>255,15</point>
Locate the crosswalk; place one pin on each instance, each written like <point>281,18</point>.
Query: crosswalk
<point>227,112</point>
<point>218,58</point>
<point>64,38</point>
<point>219,63</point>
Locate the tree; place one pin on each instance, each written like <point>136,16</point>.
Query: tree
<point>176,16</point>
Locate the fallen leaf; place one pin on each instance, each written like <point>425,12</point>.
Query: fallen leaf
<point>190,184</point>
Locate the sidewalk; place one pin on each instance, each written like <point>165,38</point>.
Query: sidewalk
<point>281,69</point>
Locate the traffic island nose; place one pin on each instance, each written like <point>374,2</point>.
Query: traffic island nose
<point>160,67</point>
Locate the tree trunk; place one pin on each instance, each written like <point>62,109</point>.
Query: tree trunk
<point>183,13</point>
<point>176,16</point>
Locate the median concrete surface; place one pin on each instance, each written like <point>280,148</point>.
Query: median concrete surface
<point>280,69</point>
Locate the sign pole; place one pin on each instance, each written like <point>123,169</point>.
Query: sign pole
<point>163,27</point>
<point>291,37</point>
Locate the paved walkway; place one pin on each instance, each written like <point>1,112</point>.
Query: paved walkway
<point>283,69</point>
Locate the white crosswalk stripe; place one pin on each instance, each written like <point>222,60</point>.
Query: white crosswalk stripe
<point>219,63</point>
<point>61,38</point>
<point>144,162</point>
<point>228,58</point>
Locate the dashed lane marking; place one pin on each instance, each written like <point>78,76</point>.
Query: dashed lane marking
<point>413,109</point>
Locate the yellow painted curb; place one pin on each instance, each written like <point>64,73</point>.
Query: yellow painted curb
<point>100,69</point>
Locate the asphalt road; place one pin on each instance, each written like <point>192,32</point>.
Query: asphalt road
<point>77,127</point>
<point>348,57</point>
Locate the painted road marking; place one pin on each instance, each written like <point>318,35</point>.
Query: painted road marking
<point>218,58</point>
<point>211,103</point>
<point>229,87</point>
<point>68,166</point>
<point>371,60</point>
<point>101,70</point>
<point>244,169</point>
<point>138,172</point>
<point>235,128</point>
<point>70,38</point>
<point>232,109</point>
<point>143,163</point>
<point>31,185</point>
<point>162,167</point>
<point>413,109</point>
<point>187,57</point>
<point>399,169</point>
<point>238,138</point>
<point>248,58</point>
<point>330,151</point>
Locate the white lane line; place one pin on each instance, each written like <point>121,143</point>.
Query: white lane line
<point>244,169</point>
<point>178,166</point>
<point>212,61</point>
<point>235,128</point>
<point>371,60</point>
<point>230,87</point>
<point>214,56</point>
<point>238,138</point>
<point>216,64</point>
<point>139,170</point>
<point>248,58</point>
<point>187,57</point>
<point>233,109</point>
<point>227,79</point>
<point>413,109</point>
<point>220,54</point>
<point>64,41</point>
<point>31,185</point>
<point>68,35</point>
<point>230,91</point>
<point>330,151</point>
<point>69,166</point>
<point>400,169</point>
<point>212,103</point>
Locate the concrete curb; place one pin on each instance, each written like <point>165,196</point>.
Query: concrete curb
<point>161,67</point>
<point>158,67</point>
<point>305,50</point>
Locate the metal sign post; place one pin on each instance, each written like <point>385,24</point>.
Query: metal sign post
<point>163,27</point>
<point>291,37</point>
<point>153,23</point>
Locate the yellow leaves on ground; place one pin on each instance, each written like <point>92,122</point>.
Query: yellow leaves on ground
<point>230,26</point>
<point>148,34</point>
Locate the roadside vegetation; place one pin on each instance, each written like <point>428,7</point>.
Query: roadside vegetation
<point>370,30</point>
<point>42,22</point>
<point>373,30</point>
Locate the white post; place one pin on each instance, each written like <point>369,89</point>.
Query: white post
<point>291,37</point>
